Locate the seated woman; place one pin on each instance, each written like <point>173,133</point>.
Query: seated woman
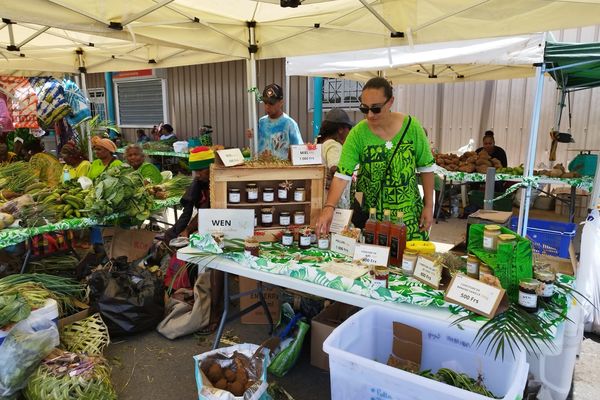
<point>75,163</point>
<point>489,145</point>
<point>135,157</point>
<point>104,149</point>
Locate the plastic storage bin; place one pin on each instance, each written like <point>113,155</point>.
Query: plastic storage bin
<point>359,348</point>
<point>556,382</point>
<point>50,310</point>
<point>180,147</point>
<point>505,204</point>
<point>548,237</point>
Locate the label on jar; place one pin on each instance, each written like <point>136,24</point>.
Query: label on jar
<point>298,219</point>
<point>488,243</point>
<point>548,290</point>
<point>287,240</point>
<point>284,220</point>
<point>304,240</point>
<point>252,195</point>
<point>313,238</point>
<point>472,267</point>
<point>267,218</point>
<point>282,194</point>
<point>528,300</point>
<point>299,195</point>
<point>408,266</point>
<point>323,244</point>
<point>234,197</point>
<point>268,196</point>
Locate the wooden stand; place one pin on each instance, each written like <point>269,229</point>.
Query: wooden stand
<point>311,178</point>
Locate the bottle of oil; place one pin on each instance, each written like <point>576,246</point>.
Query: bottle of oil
<point>397,240</point>
<point>383,230</point>
<point>370,227</point>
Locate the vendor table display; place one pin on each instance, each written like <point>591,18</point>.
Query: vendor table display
<point>159,153</point>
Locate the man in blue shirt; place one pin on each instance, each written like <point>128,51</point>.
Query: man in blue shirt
<point>276,130</point>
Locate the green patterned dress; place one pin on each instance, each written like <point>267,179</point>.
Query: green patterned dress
<point>400,191</point>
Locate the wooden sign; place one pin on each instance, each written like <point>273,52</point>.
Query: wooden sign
<point>234,224</point>
<point>371,254</point>
<point>306,154</point>
<point>474,295</point>
<point>341,219</point>
<point>428,272</point>
<point>343,244</point>
<point>231,157</point>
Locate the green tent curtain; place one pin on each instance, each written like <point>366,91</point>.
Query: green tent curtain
<point>581,62</point>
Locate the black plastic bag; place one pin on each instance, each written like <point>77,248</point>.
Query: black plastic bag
<point>129,298</point>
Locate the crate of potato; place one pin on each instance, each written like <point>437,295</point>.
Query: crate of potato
<point>469,162</point>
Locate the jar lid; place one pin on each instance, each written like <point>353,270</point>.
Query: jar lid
<point>251,185</point>
<point>299,212</point>
<point>268,189</point>
<point>266,210</point>
<point>472,257</point>
<point>299,188</point>
<point>492,228</point>
<point>530,284</point>
<point>545,276</point>
<point>410,252</point>
<point>234,190</point>
<point>287,232</point>
<point>284,213</point>
<point>507,237</point>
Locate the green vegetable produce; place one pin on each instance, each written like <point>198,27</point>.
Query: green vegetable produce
<point>13,308</point>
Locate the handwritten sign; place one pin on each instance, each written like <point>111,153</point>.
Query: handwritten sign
<point>371,254</point>
<point>474,295</point>
<point>428,272</point>
<point>341,219</point>
<point>231,157</point>
<point>234,224</point>
<point>306,154</point>
<point>343,244</point>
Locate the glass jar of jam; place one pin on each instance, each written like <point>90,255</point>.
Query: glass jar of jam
<point>266,217</point>
<point>546,279</point>
<point>299,194</point>
<point>285,218</point>
<point>235,196</point>
<point>251,247</point>
<point>507,238</point>
<point>283,192</point>
<point>490,238</point>
<point>268,195</point>
<point>381,273</point>
<point>323,242</point>
<point>528,298</point>
<point>304,239</point>
<point>409,261</point>
<point>473,266</point>
<point>313,237</point>
<point>287,238</point>
<point>251,192</point>
<point>299,218</point>
<point>484,270</point>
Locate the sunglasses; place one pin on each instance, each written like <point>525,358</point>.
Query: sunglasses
<point>376,109</point>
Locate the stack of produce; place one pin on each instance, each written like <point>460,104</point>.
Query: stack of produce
<point>512,170</point>
<point>119,190</point>
<point>175,187</point>
<point>469,162</point>
<point>160,145</point>
<point>15,179</point>
<point>558,171</point>
<point>67,200</point>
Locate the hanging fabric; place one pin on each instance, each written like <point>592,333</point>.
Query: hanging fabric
<point>80,105</point>
<point>52,104</point>
<point>23,104</point>
<point>6,122</point>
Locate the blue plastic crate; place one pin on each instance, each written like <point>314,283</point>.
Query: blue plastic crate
<point>548,237</point>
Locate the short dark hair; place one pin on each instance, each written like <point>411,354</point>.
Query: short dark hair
<point>488,133</point>
<point>328,130</point>
<point>380,83</point>
<point>168,128</point>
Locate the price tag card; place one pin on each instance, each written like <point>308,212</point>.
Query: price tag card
<point>341,219</point>
<point>306,154</point>
<point>343,244</point>
<point>474,295</point>
<point>427,272</point>
<point>234,224</point>
<point>371,254</point>
<point>231,157</point>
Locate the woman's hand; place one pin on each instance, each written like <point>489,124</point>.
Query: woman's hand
<point>184,233</point>
<point>324,221</point>
<point>426,219</point>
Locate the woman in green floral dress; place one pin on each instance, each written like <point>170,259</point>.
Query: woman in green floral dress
<point>371,144</point>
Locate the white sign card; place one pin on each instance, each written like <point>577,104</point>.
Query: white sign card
<point>306,154</point>
<point>474,295</point>
<point>343,244</point>
<point>341,219</point>
<point>234,224</point>
<point>428,272</point>
<point>231,157</point>
<point>371,254</point>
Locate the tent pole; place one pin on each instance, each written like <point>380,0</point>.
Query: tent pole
<point>533,137</point>
<point>317,106</point>
<point>251,79</point>
<point>86,127</point>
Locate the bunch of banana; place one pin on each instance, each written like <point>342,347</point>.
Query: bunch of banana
<point>67,200</point>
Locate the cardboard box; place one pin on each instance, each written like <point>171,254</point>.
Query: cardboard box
<point>407,348</point>
<point>133,243</point>
<point>321,327</point>
<point>563,207</point>
<point>487,217</point>
<point>566,266</point>
<point>257,316</point>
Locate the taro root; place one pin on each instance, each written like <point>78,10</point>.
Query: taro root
<point>215,373</point>
<point>221,384</point>
<point>236,388</point>
<point>229,375</point>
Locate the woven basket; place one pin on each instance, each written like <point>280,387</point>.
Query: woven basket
<point>86,336</point>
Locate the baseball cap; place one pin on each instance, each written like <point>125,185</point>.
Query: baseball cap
<point>338,116</point>
<point>272,93</point>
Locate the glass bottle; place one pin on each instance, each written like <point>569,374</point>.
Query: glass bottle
<point>383,230</point>
<point>370,227</point>
<point>397,240</point>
